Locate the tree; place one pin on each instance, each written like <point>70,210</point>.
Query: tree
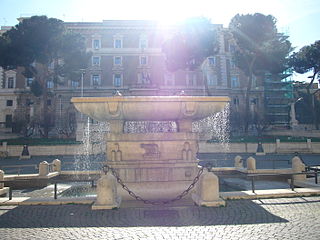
<point>48,53</point>
<point>195,40</point>
<point>260,49</point>
<point>308,60</point>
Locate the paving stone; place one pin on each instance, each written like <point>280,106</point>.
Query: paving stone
<point>282,218</point>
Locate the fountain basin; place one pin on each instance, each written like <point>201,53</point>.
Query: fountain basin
<point>150,108</point>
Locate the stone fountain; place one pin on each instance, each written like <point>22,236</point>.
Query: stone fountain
<point>158,165</point>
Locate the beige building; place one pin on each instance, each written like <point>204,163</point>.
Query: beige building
<point>127,56</point>
<point>8,98</point>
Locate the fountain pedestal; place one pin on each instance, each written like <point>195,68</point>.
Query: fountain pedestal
<point>154,165</point>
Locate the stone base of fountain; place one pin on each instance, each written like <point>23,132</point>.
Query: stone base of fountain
<point>154,166</point>
<point>155,191</point>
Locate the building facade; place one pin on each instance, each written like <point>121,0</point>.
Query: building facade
<point>127,57</point>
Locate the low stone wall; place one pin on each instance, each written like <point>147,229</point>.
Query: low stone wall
<point>280,147</point>
<point>235,147</point>
<point>45,150</point>
<point>16,150</point>
<point>302,131</point>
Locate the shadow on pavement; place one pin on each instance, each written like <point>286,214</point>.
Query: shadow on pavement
<point>236,212</point>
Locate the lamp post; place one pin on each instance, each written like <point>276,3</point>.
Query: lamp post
<point>60,109</point>
<point>82,76</point>
<point>311,90</point>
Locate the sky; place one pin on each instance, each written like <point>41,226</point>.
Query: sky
<point>297,18</point>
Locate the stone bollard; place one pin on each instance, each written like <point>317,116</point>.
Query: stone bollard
<point>251,164</point>
<point>309,144</point>
<point>1,179</point>
<point>297,167</point>
<point>5,146</point>
<point>238,162</point>
<point>277,144</point>
<point>107,197</point>
<point>43,168</point>
<point>207,191</point>
<point>56,165</point>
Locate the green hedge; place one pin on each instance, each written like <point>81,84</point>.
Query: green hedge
<point>267,139</point>
<point>239,139</point>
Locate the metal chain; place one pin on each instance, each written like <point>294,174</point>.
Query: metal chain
<point>107,168</point>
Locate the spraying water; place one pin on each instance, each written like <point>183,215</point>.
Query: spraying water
<point>149,126</point>
<point>215,128</point>
<point>91,152</point>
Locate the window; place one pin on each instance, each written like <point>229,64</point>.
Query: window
<point>118,43</point>
<point>74,83</point>
<point>9,103</point>
<point>96,81</point>
<point>117,80</point>
<point>211,61</point>
<point>10,82</point>
<point>49,102</point>
<point>226,44</point>
<point>143,43</point>
<point>96,43</point>
<point>51,65</point>
<point>143,60</point>
<point>235,82</point>
<point>117,60</point>
<point>50,84</point>
<point>29,82</point>
<point>144,77</point>
<point>95,61</point>
<point>211,79</point>
<point>169,79</point>
<point>254,101</point>
<point>233,64</point>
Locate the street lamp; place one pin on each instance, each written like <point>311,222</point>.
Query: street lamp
<point>82,76</point>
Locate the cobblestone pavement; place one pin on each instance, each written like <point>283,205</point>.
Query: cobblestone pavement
<point>282,218</point>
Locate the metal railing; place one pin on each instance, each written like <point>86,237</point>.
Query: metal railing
<point>18,168</point>
<point>55,182</point>
<point>290,175</point>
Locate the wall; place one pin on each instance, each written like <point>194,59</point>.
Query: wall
<point>203,148</point>
<point>15,151</point>
<point>283,147</point>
